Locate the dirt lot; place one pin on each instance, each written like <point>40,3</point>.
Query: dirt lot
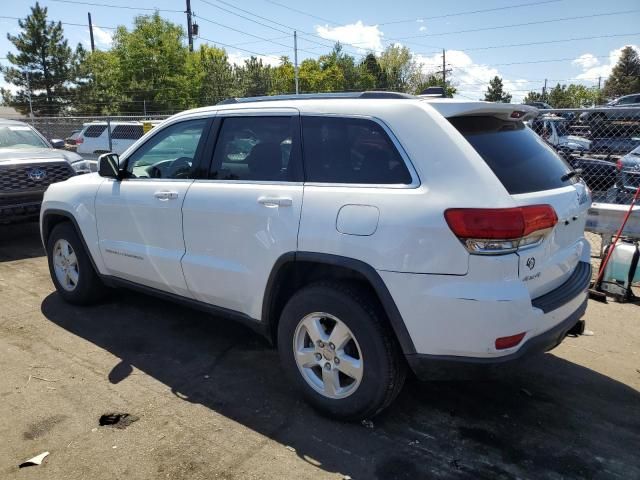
<point>212,403</point>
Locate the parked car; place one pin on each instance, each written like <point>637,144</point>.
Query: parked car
<point>540,105</point>
<point>434,233</point>
<point>71,139</point>
<point>28,165</point>
<point>555,130</point>
<point>599,175</point>
<point>94,138</point>
<point>629,171</point>
<point>623,108</point>
<point>619,145</point>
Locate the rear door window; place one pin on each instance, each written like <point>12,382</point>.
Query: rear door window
<point>520,159</point>
<point>260,148</point>
<point>94,131</point>
<point>350,150</point>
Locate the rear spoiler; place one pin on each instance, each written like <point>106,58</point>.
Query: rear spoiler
<point>504,111</point>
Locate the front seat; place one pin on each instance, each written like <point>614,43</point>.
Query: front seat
<point>265,162</point>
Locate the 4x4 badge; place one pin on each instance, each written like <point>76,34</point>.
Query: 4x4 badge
<point>531,262</point>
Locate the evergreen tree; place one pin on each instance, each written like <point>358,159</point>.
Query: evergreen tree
<point>44,56</point>
<point>625,76</point>
<point>495,92</point>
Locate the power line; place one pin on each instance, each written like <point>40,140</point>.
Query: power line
<point>272,21</point>
<point>301,12</point>
<point>109,5</point>
<point>498,27</point>
<point>232,46</point>
<point>67,23</point>
<point>546,42</point>
<point>249,34</point>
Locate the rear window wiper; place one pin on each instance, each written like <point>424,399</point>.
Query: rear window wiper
<point>570,174</point>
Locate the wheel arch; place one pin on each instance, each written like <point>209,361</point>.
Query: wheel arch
<point>52,217</point>
<point>294,270</point>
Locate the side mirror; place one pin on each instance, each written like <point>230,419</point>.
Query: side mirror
<point>57,143</point>
<point>108,165</point>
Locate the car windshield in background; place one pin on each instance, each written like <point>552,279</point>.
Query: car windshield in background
<point>20,136</point>
<point>519,158</point>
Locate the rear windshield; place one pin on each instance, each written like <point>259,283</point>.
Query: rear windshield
<point>520,159</point>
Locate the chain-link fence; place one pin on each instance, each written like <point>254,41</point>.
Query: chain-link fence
<point>602,143</point>
<point>92,136</point>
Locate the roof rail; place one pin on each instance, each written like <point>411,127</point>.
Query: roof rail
<point>316,96</point>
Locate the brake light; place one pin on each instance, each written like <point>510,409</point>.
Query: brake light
<point>619,164</point>
<point>79,140</point>
<point>501,230</point>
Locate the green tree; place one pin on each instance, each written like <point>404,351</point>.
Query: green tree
<point>44,53</point>
<point>533,97</point>
<point>253,77</point>
<point>625,76</point>
<point>370,74</point>
<point>398,66</point>
<point>152,65</point>
<point>571,96</point>
<point>215,75</point>
<point>283,78</point>
<point>496,93</point>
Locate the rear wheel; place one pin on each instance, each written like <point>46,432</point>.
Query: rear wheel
<point>335,345</point>
<point>70,267</point>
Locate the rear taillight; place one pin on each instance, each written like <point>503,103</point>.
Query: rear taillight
<point>619,164</point>
<point>488,231</point>
<point>79,140</point>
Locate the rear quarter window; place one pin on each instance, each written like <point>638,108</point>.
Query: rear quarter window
<point>520,159</point>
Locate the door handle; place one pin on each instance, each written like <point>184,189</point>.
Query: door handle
<point>276,201</point>
<point>165,195</point>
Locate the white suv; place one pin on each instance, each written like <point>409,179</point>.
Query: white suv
<point>94,137</point>
<point>361,233</point>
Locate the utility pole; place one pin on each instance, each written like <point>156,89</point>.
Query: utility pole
<point>93,45</point>
<point>29,97</point>
<point>295,58</point>
<point>189,25</point>
<point>544,90</point>
<point>444,70</point>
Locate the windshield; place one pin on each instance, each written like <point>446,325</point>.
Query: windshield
<point>20,136</point>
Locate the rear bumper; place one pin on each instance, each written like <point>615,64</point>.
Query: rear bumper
<point>454,321</point>
<point>446,366</point>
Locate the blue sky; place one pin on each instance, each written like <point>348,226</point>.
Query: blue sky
<point>476,49</point>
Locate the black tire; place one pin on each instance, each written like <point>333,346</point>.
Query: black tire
<point>384,368</point>
<point>89,287</point>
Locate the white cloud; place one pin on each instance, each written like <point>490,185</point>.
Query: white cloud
<point>238,58</point>
<point>586,60</point>
<point>471,79</point>
<point>423,28</point>
<point>365,37</point>
<point>102,38</point>
<point>594,68</point>
<point>420,20</point>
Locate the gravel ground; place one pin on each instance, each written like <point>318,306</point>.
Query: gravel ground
<point>210,401</point>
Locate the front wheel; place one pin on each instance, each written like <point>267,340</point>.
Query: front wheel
<point>336,346</point>
<point>70,267</point>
